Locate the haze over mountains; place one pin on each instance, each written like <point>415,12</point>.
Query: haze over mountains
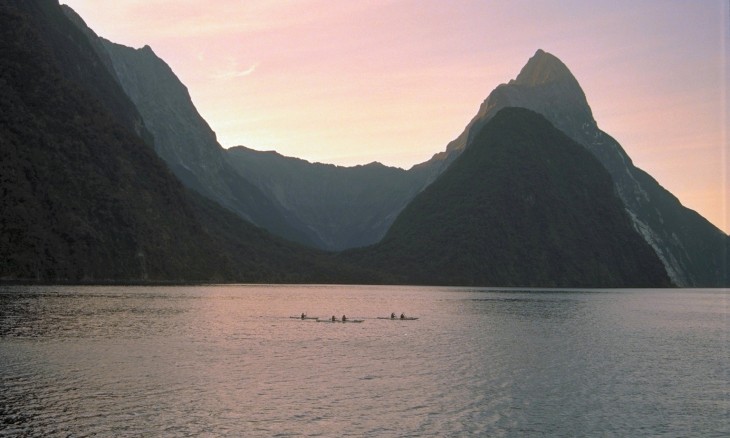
<point>576,218</point>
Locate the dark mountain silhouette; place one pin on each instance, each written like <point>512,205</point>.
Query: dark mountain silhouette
<point>523,205</point>
<point>182,137</point>
<point>84,198</point>
<point>694,252</point>
<point>345,207</point>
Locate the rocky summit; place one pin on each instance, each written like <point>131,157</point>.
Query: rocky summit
<point>693,251</point>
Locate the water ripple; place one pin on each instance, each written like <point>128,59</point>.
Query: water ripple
<point>228,361</point>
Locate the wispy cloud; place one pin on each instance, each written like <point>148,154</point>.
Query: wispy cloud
<point>234,72</point>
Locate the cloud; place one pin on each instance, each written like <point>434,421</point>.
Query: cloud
<point>234,72</point>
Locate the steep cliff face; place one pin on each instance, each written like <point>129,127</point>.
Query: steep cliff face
<point>183,139</point>
<point>83,198</point>
<point>524,205</point>
<point>693,251</point>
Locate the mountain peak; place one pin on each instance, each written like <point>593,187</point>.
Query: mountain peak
<point>543,68</point>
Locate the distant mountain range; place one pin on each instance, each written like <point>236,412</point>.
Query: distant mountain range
<point>92,192</point>
<point>345,207</point>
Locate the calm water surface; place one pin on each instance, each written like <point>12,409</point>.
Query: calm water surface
<point>228,361</point>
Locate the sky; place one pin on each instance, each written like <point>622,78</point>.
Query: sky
<point>352,82</point>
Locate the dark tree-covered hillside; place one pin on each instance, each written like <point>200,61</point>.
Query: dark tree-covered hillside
<point>84,198</point>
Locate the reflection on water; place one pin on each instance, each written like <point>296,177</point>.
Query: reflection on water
<point>229,360</point>
<point>561,308</point>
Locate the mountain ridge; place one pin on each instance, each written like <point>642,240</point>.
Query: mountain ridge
<point>182,138</point>
<point>543,68</point>
<point>694,251</point>
<point>344,207</point>
<point>523,206</point>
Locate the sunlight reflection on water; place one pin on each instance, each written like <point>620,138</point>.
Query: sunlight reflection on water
<point>229,360</point>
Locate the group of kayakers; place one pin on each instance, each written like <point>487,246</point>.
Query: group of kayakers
<point>334,318</point>
<point>344,318</point>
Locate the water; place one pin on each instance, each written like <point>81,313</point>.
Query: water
<point>228,361</point>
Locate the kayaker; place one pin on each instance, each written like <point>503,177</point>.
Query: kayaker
<point>344,318</point>
<point>392,315</point>
<point>402,316</point>
<point>333,318</point>
<point>303,315</point>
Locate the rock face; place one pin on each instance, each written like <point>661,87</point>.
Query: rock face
<point>345,207</point>
<point>694,251</point>
<point>523,205</point>
<point>183,139</point>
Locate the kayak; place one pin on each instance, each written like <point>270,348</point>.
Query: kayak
<point>306,317</point>
<point>407,318</point>
<point>337,320</point>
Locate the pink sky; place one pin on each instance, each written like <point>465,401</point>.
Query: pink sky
<point>350,82</point>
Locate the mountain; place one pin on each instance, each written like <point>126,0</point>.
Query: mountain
<point>183,139</point>
<point>324,206</point>
<point>693,251</point>
<point>345,207</point>
<point>523,205</point>
<point>315,204</point>
<point>85,198</point>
